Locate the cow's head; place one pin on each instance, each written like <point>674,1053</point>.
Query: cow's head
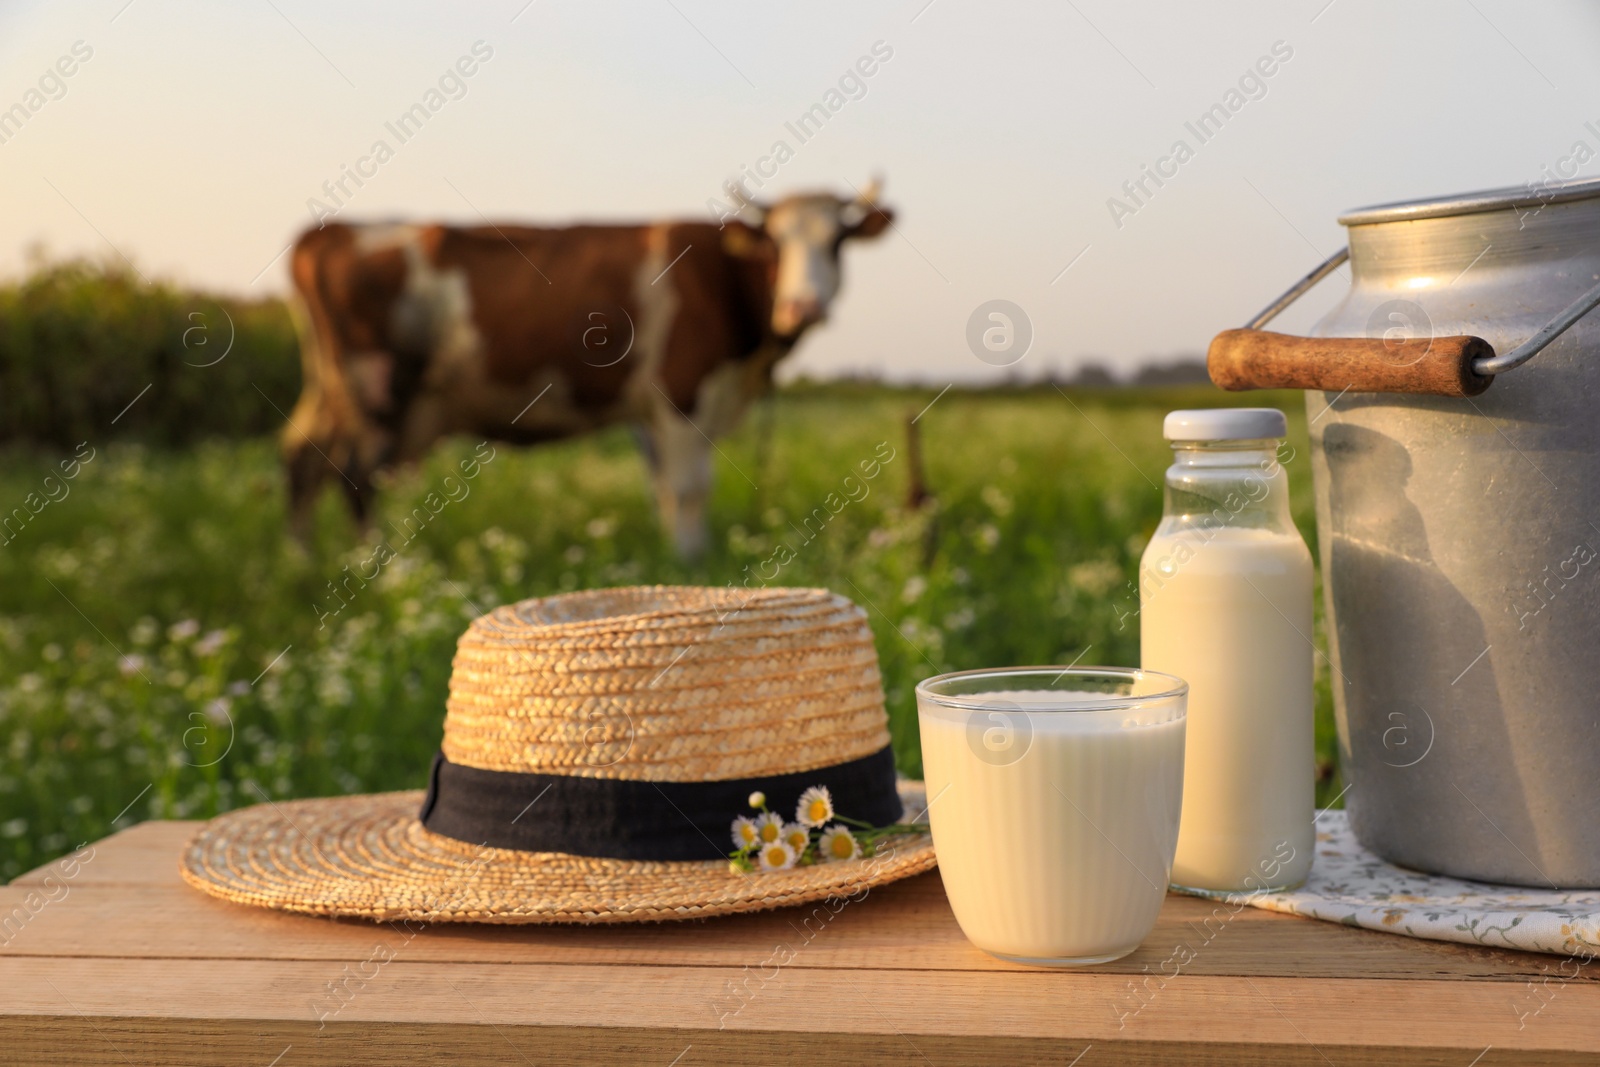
<point>805,232</point>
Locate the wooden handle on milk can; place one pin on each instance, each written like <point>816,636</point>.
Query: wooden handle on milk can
<point>1260,359</point>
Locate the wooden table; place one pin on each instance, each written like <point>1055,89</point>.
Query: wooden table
<point>124,964</point>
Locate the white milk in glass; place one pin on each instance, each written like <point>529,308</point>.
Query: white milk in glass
<point>1225,604</point>
<point>1055,828</point>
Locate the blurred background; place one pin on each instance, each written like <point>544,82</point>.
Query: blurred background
<point>165,651</point>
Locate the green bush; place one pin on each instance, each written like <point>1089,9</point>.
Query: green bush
<point>81,341</point>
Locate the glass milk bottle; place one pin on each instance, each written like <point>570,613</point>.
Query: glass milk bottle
<point>1225,604</point>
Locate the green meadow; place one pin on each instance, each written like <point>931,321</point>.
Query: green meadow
<point>169,653</point>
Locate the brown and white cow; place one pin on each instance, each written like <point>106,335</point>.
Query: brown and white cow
<point>523,334</point>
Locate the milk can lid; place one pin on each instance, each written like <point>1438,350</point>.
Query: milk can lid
<point>1533,194</point>
<point>1225,424</point>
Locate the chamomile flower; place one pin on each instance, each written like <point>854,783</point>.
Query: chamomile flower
<point>838,843</point>
<point>769,827</point>
<point>758,800</point>
<point>816,806</point>
<point>797,837</point>
<point>745,834</point>
<point>777,856</point>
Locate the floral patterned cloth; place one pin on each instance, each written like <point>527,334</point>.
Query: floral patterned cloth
<point>1351,885</point>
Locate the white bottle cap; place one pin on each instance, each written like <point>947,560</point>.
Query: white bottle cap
<point>1225,424</point>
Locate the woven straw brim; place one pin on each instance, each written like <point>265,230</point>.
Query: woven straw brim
<point>369,857</point>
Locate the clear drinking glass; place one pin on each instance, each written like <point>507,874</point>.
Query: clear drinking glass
<point>1054,800</point>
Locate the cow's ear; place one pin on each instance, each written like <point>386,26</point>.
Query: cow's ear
<point>744,242</point>
<point>872,223</point>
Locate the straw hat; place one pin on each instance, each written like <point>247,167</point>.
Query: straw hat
<point>597,748</point>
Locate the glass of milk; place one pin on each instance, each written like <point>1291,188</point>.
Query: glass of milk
<point>1225,602</point>
<point>1054,800</point>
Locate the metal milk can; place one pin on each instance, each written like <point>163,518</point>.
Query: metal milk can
<point>1459,525</point>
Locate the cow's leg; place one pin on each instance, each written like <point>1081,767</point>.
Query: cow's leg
<point>306,443</point>
<point>682,452</point>
<point>329,433</point>
<point>681,462</point>
<point>425,423</point>
<point>311,461</point>
<point>318,447</point>
<point>647,447</point>
<point>306,471</point>
<point>359,494</point>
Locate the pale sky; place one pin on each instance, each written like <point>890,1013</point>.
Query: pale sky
<point>193,136</point>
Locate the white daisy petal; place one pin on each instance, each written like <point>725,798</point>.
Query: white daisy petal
<point>816,806</point>
<point>769,826</point>
<point>777,856</point>
<point>838,843</point>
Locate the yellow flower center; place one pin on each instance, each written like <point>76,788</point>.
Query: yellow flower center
<point>818,810</point>
<point>842,847</point>
<point>775,856</point>
<point>770,832</point>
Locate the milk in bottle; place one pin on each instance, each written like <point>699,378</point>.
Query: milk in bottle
<point>1225,603</point>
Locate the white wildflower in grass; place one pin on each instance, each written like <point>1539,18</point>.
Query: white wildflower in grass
<point>1095,577</point>
<point>816,806</point>
<point>777,856</point>
<point>758,800</point>
<point>744,833</point>
<point>838,843</point>
<point>211,643</point>
<point>998,499</point>
<point>182,631</point>
<point>797,836</point>
<point>769,827</point>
